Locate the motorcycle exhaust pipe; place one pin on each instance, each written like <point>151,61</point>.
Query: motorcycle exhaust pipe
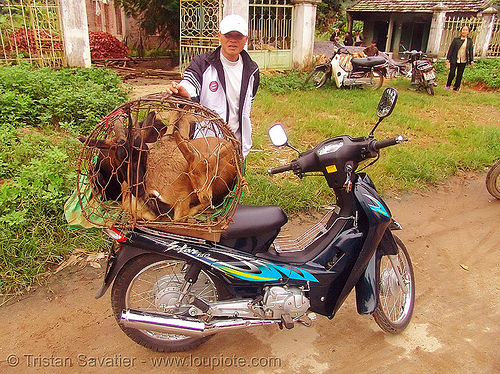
<point>169,324</point>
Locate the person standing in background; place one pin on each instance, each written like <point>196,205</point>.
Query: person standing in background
<point>358,40</point>
<point>348,41</point>
<point>460,53</point>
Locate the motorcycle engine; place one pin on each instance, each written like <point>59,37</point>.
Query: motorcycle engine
<point>280,301</point>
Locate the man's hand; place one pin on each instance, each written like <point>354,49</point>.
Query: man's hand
<point>176,89</point>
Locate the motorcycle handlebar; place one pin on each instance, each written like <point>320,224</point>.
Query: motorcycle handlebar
<point>279,169</point>
<point>377,145</point>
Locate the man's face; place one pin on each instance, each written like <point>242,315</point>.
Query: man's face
<point>232,44</point>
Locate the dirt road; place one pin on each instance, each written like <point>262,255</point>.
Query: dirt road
<point>453,237</point>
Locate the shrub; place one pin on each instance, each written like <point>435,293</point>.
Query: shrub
<point>37,172</point>
<point>486,71</point>
<point>70,98</point>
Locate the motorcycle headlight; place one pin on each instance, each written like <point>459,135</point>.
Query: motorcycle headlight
<point>330,147</point>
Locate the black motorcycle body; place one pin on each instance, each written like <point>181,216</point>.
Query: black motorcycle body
<point>172,292</point>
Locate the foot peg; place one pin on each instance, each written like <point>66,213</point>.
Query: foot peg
<point>286,321</point>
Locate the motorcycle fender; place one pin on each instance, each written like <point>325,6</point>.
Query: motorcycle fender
<point>366,288</point>
<point>122,256</point>
<point>388,245</point>
<point>322,67</point>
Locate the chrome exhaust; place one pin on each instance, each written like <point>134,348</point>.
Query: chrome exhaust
<point>170,324</point>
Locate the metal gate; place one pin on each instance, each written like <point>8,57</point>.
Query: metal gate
<point>270,33</point>
<point>199,26</point>
<point>30,30</point>
<point>452,28</point>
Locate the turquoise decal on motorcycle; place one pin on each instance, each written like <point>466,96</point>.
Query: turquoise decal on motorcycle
<point>377,207</point>
<point>264,272</point>
<point>256,271</point>
<point>268,272</point>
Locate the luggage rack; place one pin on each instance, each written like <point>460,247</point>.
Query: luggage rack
<point>306,238</point>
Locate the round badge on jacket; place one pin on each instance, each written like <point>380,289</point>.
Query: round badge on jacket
<point>213,86</point>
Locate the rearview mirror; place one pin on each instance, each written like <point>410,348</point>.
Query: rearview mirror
<point>278,135</point>
<point>387,102</point>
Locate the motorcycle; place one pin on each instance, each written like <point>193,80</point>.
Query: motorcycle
<point>349,71</point>
<point>493,180</point>
<point>423,75</point>
<point>172,292</point>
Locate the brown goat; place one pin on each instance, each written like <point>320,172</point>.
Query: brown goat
<point>188,175</point>
<point>170,174</point>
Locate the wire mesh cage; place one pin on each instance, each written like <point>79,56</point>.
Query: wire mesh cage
<point>161,162</point>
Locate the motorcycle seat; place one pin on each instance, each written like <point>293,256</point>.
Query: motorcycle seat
<point>368,61</point>
<point>254,228</point>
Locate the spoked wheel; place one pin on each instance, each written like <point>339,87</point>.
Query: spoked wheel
<point>153,283</point>
<point>493,180</point>
<point>375,80</point>
<point>317,77</point>
<point>395,303</point>
<point>429,88</point>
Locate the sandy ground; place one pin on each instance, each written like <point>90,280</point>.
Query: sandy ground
<point>452,235</point>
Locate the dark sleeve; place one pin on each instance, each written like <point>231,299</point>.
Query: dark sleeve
<point>470,51</point>
<point>256,83</point>
<point>194,75</point>
<point>450,50</point>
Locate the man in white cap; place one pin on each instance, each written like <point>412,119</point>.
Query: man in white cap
<point>225,79</point>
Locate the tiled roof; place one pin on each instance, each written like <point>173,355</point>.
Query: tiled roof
<point>418,6</point>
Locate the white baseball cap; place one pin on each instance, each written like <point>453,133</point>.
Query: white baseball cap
<point>233,22</point>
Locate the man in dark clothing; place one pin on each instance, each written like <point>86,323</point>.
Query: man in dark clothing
<point>371,50</point>
<point>348,41</point>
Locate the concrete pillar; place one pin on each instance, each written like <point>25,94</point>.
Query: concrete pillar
<point>304,25</point>
<point>389,34</point>
<point>75,33</point>
<point>236,7</point>
<point>437,28</point>
<point>398,24</point>
<point>484,38</point>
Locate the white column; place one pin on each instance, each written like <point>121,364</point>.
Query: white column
<point>75,33</point>
<point>437,27</point>
<point>304,25</point>
<point>236,7</point>
<point>484,38</point>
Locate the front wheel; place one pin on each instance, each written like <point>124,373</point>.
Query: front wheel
<point>395,303</point>
<point>429,88</point>
<point>493,180</point>
<point>375,80</point>
<point>153,283</point>
<point>317,77</point>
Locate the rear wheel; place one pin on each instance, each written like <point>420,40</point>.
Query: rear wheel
<point>317,77</point>
<point>153,283</point>
<point>395,305</point>
<point>375,80</point>
<point>493,180</point>
<point>429,88</point>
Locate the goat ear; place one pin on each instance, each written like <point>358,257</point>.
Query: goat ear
<point>150,119</point>
<point>101,144</point>
<point>187,150</point>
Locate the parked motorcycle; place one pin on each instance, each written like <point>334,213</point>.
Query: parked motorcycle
<point>423,75</point>
<point>173,292</point>
<point>493,180</point>
<point>349,71</point>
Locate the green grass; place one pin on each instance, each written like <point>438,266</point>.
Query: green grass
<point>447,133</point>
